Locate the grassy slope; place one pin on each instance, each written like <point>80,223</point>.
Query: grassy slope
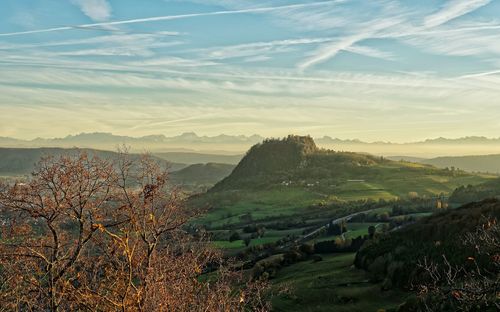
<point>261,204</point>
<point>314,176</point>
<point>330,285</point>
<point>280,200</point>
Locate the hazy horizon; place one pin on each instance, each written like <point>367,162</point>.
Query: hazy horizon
<point>173,135</point>
<point>239,144</point>
<point>375,71</point>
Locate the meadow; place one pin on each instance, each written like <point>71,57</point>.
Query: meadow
<point>332,284</point>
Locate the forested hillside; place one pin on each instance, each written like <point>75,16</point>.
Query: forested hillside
<point>297,162</point>
<point>470,193</point>
<point>450,243</point>
<point>21,161</point>
<point>199,176</point>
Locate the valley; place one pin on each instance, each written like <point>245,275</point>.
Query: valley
<point>249,156</point>
<point>310,183</point>
<point>302,217</point>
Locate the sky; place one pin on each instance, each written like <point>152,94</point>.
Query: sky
<point>374,70</point>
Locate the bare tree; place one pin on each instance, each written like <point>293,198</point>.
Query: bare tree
<point>94,235</point>
<point>472,286</point>
<point>53,218</point>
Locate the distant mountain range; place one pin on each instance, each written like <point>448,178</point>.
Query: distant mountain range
<point>440,140</point>
<point>235,145</point>
<point>430,148</point>
<point>101,137</point>
<point>221,144</point>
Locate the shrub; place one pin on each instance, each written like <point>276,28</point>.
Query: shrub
<point>234,237</point>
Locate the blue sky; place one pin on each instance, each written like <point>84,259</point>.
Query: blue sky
<point>374,70</point>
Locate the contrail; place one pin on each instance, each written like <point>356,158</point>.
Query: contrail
<point>171,17</point>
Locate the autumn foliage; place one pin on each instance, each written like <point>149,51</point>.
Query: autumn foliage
<point>87,234</point>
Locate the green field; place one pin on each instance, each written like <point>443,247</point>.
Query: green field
<point>228,207</point>
<point>270,236</point>
<point>239,244</point>
<point>331,285</point>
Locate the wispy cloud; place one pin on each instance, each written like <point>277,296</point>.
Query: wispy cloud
<point>244,99</point>
<point>330,50</point>
<point>258,48</point>
<point>141,45</point>
<point>396,22</point>
<point>146,39</point>
<point>466,42</point>
<point>262,72</point>
<point>97,10</point>
<point>371,52</point>
<point>172,17</point>
<point>452,10</point>
<point>480,74</point>
<point>345,43</point>
<point>116,51</point>
<point>166,62</point>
